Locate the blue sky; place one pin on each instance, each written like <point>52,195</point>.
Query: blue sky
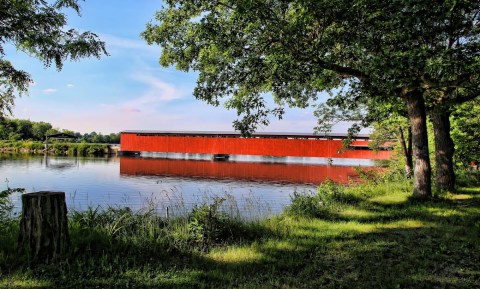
<point>127,90</point>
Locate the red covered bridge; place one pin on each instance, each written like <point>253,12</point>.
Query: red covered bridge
<point>259,144</point>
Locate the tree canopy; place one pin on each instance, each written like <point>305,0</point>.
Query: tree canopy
<point>295,49</point>
<point>39,28</point>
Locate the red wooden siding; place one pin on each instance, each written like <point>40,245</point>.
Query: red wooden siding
<point>280,147</point>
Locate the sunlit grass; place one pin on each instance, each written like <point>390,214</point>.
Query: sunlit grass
<point>354,213</point>
<point>472,191</point>
<point>405,224</point>
<point>23,282</point>
<point>238,255</point>
<point>390,199</point>
<point>445,212</point>
<point>460,197</point>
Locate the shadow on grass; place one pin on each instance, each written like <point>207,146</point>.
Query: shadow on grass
<point>397,244</point>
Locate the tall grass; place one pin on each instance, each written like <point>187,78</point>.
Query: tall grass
<point>8,228</point>
<point>206,226</point>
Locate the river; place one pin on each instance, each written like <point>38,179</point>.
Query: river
<point>252,189</point>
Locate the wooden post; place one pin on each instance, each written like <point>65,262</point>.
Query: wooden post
<point>44,226</point>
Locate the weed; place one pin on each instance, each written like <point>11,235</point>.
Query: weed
<point>9,226</point>
<point>6,206</point>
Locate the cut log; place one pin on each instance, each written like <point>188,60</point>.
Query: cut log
<point>44,226</point>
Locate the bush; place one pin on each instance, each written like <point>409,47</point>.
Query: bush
<point>33,145</point>
<point>328,199</point>
<point>208,225</point>
<point>467,177</point>
<point>96,149</point>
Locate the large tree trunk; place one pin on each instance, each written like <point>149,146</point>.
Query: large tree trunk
<point>44,226</point>
<point>418,121</point>
<point>444,150</point>
<point>407,151</point>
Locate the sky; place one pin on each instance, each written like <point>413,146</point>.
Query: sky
<point>127,90</point>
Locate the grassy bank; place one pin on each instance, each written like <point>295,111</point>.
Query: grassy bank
<point>365,236</point>
<point>57,148</point>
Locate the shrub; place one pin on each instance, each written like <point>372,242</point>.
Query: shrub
<point>467,177</point>
<point>328,199</point>
<point>60,148</point>
<point>82,149</point>
<point>96,149</point>
<point>208,225</point>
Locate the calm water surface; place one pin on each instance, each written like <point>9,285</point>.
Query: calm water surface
<point>252,189</point>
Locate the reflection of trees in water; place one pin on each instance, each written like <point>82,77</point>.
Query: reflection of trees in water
<point>52,161</point>
<point>5,157</point>
<point>60,163</point>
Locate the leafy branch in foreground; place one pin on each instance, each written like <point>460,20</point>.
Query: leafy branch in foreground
<point>37,28</point>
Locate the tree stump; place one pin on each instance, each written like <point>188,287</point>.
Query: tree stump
<point>44,226</point>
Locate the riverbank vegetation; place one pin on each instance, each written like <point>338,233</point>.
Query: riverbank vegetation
<point>25,136</point>
<point>55,147</point>
<point>360,236</point>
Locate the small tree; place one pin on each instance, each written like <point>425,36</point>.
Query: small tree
<point>466,133</point>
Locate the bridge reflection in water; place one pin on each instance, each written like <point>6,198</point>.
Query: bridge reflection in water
<point>245,171</point>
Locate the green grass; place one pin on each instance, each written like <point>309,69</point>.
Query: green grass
<point>366,236</point>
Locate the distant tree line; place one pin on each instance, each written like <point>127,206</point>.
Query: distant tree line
<point>21,129</point>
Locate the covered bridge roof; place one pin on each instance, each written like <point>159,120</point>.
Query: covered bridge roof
<point>237,134</point>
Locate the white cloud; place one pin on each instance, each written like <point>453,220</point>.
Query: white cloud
<point>49,90</point>
<point>126,43</point>
<point>156,93</point>
<point>70,85</point>
<point>158,90</point>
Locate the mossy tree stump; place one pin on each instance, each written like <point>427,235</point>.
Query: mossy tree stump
<point>44,226</point>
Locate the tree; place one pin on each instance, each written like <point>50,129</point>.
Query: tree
<point>39,130</point>
<point>52,131</point>
<point>389,121</point>
<point>465,133</point>
<point>36,27</point>
<point>24,128</point>
<point>395,128</point>
<point>295,49</point>
<point>444,104</point>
